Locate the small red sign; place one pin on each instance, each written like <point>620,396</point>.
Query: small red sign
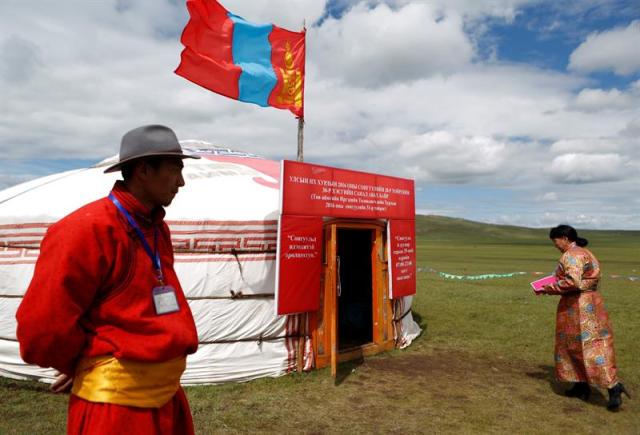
<point>402,250</point>
<point>299,264</point>
<point>324,191</point>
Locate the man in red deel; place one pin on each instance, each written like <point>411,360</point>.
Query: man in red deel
<point>105,307</point>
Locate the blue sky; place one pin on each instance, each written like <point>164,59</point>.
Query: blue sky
<point>524,112</point>
<point>546,37</point>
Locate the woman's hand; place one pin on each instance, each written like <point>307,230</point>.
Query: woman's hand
<point>62,384</point>
<point>547,289</point>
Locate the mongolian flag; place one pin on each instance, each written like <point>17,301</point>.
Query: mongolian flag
<point>260,64</point>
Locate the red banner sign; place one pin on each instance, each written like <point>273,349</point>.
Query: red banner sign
<point>402,250</point>
<point>324,191</point>
<point>299,264</point>
<point>312,192</point>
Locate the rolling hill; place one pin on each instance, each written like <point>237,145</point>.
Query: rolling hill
<point>441,228</point>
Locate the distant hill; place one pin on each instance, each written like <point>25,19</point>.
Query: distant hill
<point>442,228</point>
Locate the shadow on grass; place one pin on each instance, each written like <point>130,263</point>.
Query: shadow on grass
<point>417,317</point>
<point>546,372</point>
<point>15,385</point>
<point>347,368</point>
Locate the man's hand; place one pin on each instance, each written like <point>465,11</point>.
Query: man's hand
<point>62,384</point>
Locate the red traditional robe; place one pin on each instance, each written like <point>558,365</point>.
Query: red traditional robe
<point>91,295</point>
<point>584,340</point>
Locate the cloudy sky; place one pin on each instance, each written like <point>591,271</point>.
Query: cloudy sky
<point>524,112</point>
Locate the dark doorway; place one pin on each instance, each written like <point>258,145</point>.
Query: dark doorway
<point>355,288</point>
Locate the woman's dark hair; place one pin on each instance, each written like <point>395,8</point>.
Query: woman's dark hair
<point>569,232</point>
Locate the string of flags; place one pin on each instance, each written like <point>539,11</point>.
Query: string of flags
<point>504,275</point>
<point>480,277</point>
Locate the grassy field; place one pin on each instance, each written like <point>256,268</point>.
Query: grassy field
<point>482,365</point>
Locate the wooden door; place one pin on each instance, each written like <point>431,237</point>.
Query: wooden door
<point>324,322</point>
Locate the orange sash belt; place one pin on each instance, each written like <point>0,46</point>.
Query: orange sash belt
<point>106,379</point>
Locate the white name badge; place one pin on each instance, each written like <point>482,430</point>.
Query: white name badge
<point>165,300</point>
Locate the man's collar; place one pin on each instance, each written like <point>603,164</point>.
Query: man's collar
<point>142,213</point>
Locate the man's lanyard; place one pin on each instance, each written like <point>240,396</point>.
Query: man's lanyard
<point>153,255</point>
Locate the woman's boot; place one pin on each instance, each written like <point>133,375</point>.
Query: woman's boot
<point>615,397</point>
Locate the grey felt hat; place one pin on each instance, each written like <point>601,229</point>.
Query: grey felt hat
<point>148,141</point>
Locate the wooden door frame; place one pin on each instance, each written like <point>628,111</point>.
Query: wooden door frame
<point>324,335</point>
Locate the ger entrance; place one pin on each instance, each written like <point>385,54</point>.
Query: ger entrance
<point>355,315</point>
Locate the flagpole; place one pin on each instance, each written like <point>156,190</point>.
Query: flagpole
<point>300,139</point>
<point>300,156</point>
<point>304,318</point>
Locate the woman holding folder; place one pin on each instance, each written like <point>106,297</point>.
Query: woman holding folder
<point>584,352</point>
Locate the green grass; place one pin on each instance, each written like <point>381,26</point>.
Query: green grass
<point>483,364</point>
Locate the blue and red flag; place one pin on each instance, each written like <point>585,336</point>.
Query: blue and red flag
<point>260,64</point>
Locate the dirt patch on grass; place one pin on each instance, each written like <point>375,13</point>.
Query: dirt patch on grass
<point>453,391</point>
<point>439,368</point>
<point>434,389</point>
<point>449,362</point>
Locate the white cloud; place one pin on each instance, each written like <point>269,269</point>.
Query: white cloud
<point>578,220</point>
<point>593,100</point>
<point>79,104</point>
<point>497,100</point>
<point>75,75</point>
<point>548,196</point>
<point>85,73</point>
<point>632,129</point>
<point>587,168</point>
<point>283,13</point>
<point>586,145</point>
<point>379,46</point>
<point>19,59</point>
<point>473,9</point>
<point>615,50</point>
<point>442,156</point>
<point>627,148</point>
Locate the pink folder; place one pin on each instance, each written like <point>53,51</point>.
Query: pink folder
<point>538,284</point>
